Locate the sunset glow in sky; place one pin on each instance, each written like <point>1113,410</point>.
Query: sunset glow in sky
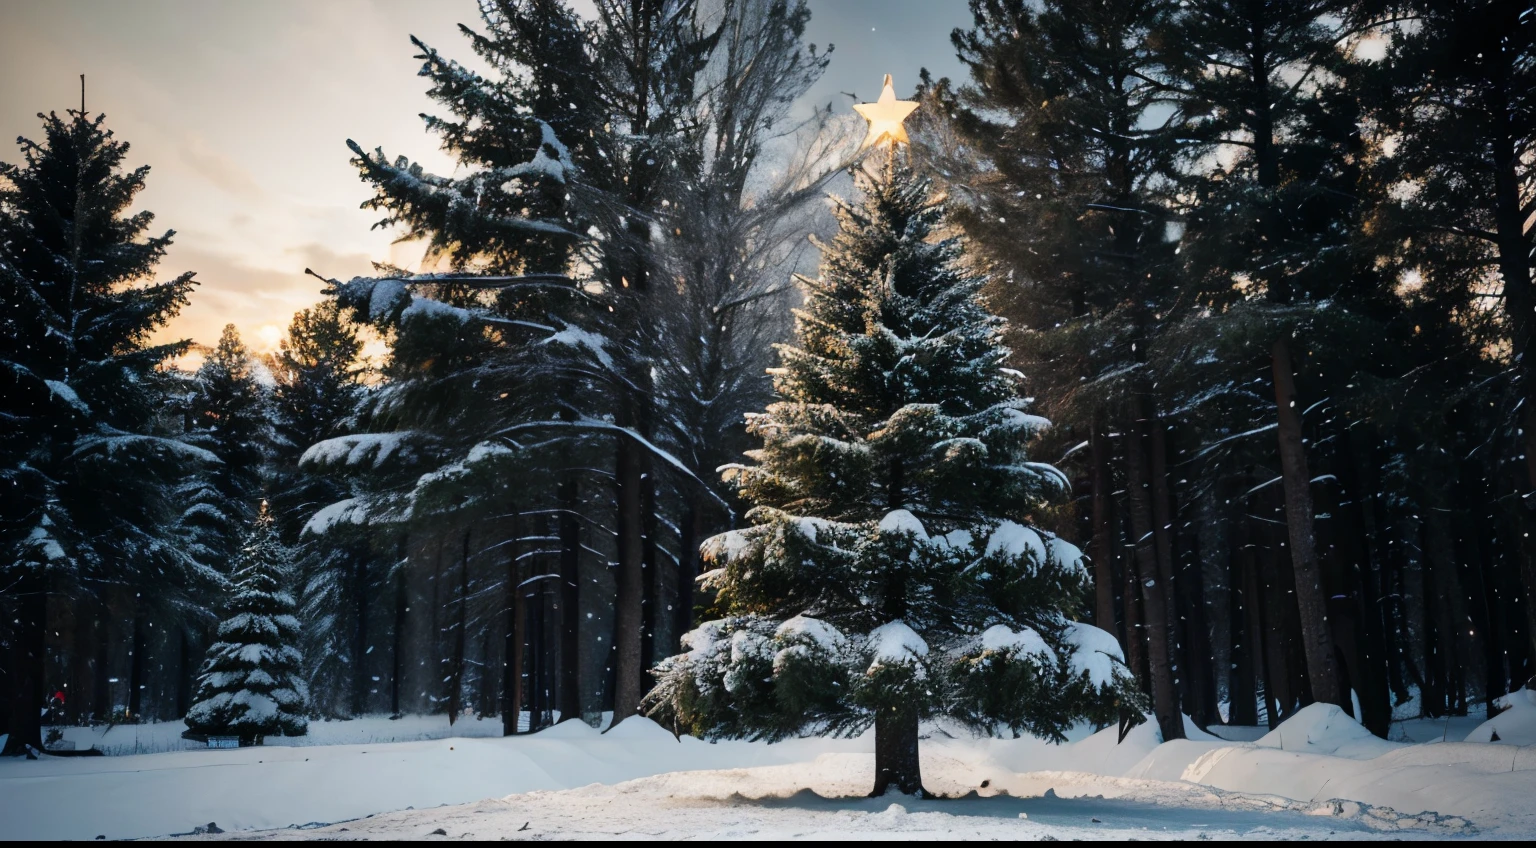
<point>243,110</point>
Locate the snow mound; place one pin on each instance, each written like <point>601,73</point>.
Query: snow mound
<point>638,728</point>
<point>902,521</point>
<point>1017,540</point>
<point>1516,725</point>
<point>895,644</point>
<point>1326,729</point>
<point>574,729</point>
<point>811,630</point>
<point>1095,652</point>
<point>1022,643</point>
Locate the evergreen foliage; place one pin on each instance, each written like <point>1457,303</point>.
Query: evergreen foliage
<point>229,415</point>
<point>86,471</point>
<point>250,685</point>
<point>890,574</point>
<point>318,374</point>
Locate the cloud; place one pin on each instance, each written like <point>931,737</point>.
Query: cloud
<point>221,170</point>
<point>252,298</point>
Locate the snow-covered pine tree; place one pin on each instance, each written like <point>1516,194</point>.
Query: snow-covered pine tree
<point>85,472</point>
<point>229,416</point>
<point>890,575</point>
<point>318,374</point>
<point>250,685</point>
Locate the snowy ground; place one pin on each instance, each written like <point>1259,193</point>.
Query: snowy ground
<point>638,782</point>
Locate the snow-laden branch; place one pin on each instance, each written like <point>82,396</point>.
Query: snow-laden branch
<point>594,425</point>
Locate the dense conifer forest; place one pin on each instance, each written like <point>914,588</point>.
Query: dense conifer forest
<point>1217,315</point>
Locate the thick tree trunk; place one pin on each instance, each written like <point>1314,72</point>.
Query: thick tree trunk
<point>1102,546</point>
<point>1514,249</point>
<point>1311,595</point>
<point>1135,637</point>
<point>896,755</point>
<point>1165,693</point>
<point>569,527</point>
<point>28,650</point>
<point>628,607</point>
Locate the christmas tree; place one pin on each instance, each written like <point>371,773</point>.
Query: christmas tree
<point>891,575</point>
<point>250,686</point>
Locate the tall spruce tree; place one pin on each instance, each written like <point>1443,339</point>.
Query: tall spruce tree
<point>250,685</point>
<point>1066,109</point>
<point>581,150</point>
<point>1458,107</point>
<point>318,373</point>
<point>85,476</point>
<point>229,415</point>
<point>1270,164</point>
<point>891,575</point>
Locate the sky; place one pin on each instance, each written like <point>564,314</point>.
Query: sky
<point>243,110</point>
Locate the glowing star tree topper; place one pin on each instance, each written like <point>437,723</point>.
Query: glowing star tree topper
<point>885,116</point>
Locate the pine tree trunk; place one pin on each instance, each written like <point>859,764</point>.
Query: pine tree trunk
<point>136,659</point>
<point>5,690</point>
<point>1103,543</point>
<point>533,631</point>
<point>1165,693</point>
<point>651,572</point>
<point>1474,571</point>
<point>101,690</point>
<point>360,597</point>
<point>455,693</point>
<point>1449,609</point>
<point>896,753</point>
<point>1135,639</point>
<point>517,693</point>
<point>1311,596</point>
<point>628,612</point>
<point>688,568</point>
<point>1514,249</point>
<point>569,528</point>
<point>397,642</point>
<point>185,669</point>
<point>1243,688</point>
<point>1190,650</point>
<point>1356,544</point>
<point>27,669</point>
<point>512,644</point>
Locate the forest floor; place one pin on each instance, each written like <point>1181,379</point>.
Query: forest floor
<point>1318,776</point>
